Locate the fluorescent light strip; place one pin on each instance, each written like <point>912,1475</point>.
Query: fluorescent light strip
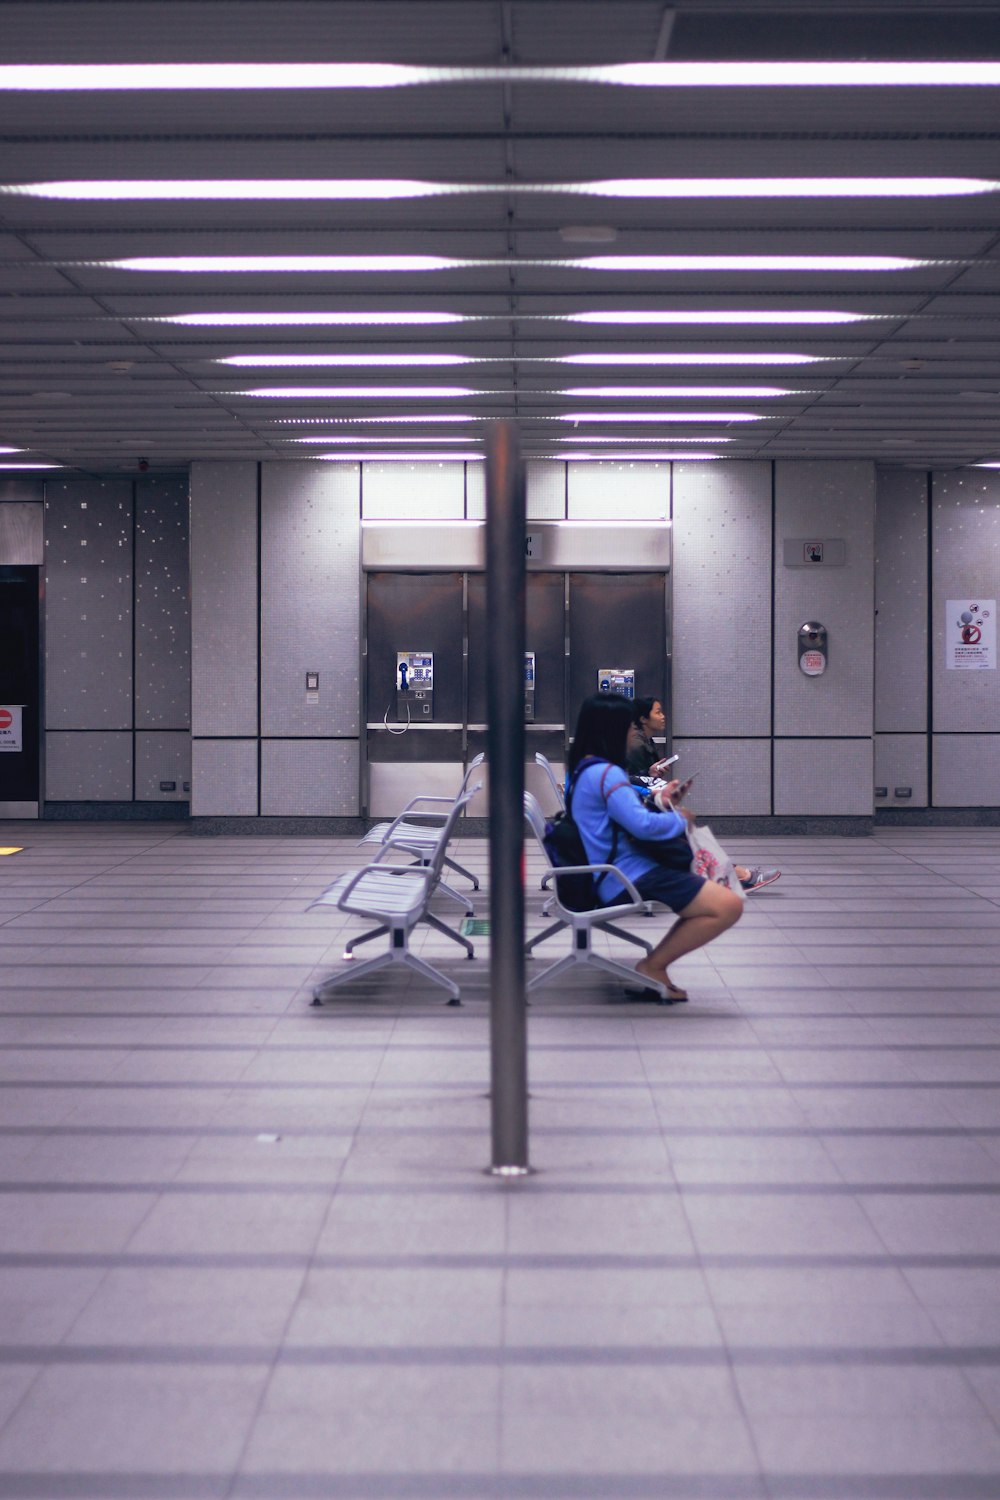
<point>418,361</point>
<point>359,392</point>
<point>424,418</point>
<point>685,392</point>
<point>400,458</point>
<point>673,438</point>
<point>660,416</point>
<point>11,450</point>
<point>384,189</point>
<point>639,457</point>
<point>388,319</point>
<point>30,466</point>
<point>407,264</point>
<point>354,438</point>
<point>216,76</point>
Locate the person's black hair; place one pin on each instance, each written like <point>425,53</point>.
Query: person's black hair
<point>641,709</point>
<point>602,727</point>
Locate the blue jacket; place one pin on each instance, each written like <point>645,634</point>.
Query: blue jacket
<point>602,791</point>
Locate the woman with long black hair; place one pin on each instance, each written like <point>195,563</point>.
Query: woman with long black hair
<point>608,809</point>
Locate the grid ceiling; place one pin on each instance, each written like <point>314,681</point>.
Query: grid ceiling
<point>90,378</point>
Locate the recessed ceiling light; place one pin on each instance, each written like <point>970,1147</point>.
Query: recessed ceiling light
<point>660,416</point>
<point>32,466</point>
<point>622,316</point>
<point>11,450</point>
<point>358,392</point>
<point>135,76</point>
<point>419,361</point>
<point>283,263</point>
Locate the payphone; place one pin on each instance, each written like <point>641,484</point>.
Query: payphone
<point>414,685</point>
<point>616,680</point>
<point>529,687</point>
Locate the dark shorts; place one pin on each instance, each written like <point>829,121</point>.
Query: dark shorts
<point>673,888</point>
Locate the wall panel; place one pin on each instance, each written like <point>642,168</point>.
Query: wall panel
<point>160,757</point>
<point>900,599</point>
<point>309,778</point>
<point>733,776</point>
<point>965,520</point>
<point>616,490</point>
<point>88,604</point>
<point>224,778</point>
<point>310,597</point>
<point>901,761</point>
<point>162,610</point>
<point>966,770</point>
<point>391,491</point>
<point>722,598</point>
<point>823,777</point>
<point>825,499</point>
<point>224,597</point>
<point>88,767</point>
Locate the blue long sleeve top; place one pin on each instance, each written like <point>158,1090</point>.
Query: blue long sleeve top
<point>594,807</point>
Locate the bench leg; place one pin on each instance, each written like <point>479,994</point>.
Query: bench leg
<point>457,937</point>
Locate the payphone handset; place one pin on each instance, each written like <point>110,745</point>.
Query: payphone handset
<point>529,687</point>
<point>415,686</point>
<point>616,680</point>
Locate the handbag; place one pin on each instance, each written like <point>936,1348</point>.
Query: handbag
<point>712,862</point>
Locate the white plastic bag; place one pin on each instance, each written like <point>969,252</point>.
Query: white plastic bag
<point>712,861</point>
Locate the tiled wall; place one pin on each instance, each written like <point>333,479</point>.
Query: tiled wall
<point>117,640</point>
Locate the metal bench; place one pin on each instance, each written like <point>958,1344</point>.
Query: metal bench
<point>583,923</point>
<point>415,831</point>
<point>397,898</point>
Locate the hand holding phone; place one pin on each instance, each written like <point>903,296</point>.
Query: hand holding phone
<point>658,767</point>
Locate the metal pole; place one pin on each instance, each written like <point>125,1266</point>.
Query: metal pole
<point>505,594</point>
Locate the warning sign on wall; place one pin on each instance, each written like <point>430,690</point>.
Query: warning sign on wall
<point>970,633</point>
<point>10,727</point>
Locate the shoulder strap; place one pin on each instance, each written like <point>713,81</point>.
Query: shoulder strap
<point>585,764</point>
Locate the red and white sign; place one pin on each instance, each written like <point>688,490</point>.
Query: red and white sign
<point>813,663</point>
<point>10,727</point>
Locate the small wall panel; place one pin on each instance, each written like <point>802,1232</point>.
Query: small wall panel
<point>88,604</point>
<point>162,757</point>
<point>900,599</point>
<point>22,528</point>
<point>224,778</point>
<point>224,597</point>
<point>733,776</point>
<point>837,500</point>
<point>88,767</point>
<point>965,519</point>
<point>413,491</point>
<point>721,583</point>
<point>309,778</point>
<point>901,761</point>
<point>391,785</point>
<point>162,607</point>
<point>616,490</point>
<point>310,587</point>
<point>823,777</point>
<point>967,770</point>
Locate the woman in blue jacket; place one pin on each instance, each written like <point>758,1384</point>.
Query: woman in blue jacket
<point>607,808</point>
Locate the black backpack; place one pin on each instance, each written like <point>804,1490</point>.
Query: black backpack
<point>564,846</point>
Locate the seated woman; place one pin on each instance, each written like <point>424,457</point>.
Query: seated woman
<point>643,759</point>
<point>607,808</point>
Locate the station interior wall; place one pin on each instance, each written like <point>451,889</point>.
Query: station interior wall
<point>178,655</point>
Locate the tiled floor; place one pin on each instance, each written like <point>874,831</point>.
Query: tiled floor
<point>248,1248</point>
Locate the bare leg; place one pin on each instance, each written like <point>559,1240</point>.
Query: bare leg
<point>713,910</point>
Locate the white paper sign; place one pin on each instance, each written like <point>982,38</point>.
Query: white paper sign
<point>970,634</point>
<point>10,727</point>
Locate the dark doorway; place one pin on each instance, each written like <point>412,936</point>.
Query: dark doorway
<point>19,692</point>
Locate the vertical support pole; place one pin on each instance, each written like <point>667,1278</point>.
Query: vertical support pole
<point>505,606</point>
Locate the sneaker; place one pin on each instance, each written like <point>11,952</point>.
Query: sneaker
<point>758,878</point>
